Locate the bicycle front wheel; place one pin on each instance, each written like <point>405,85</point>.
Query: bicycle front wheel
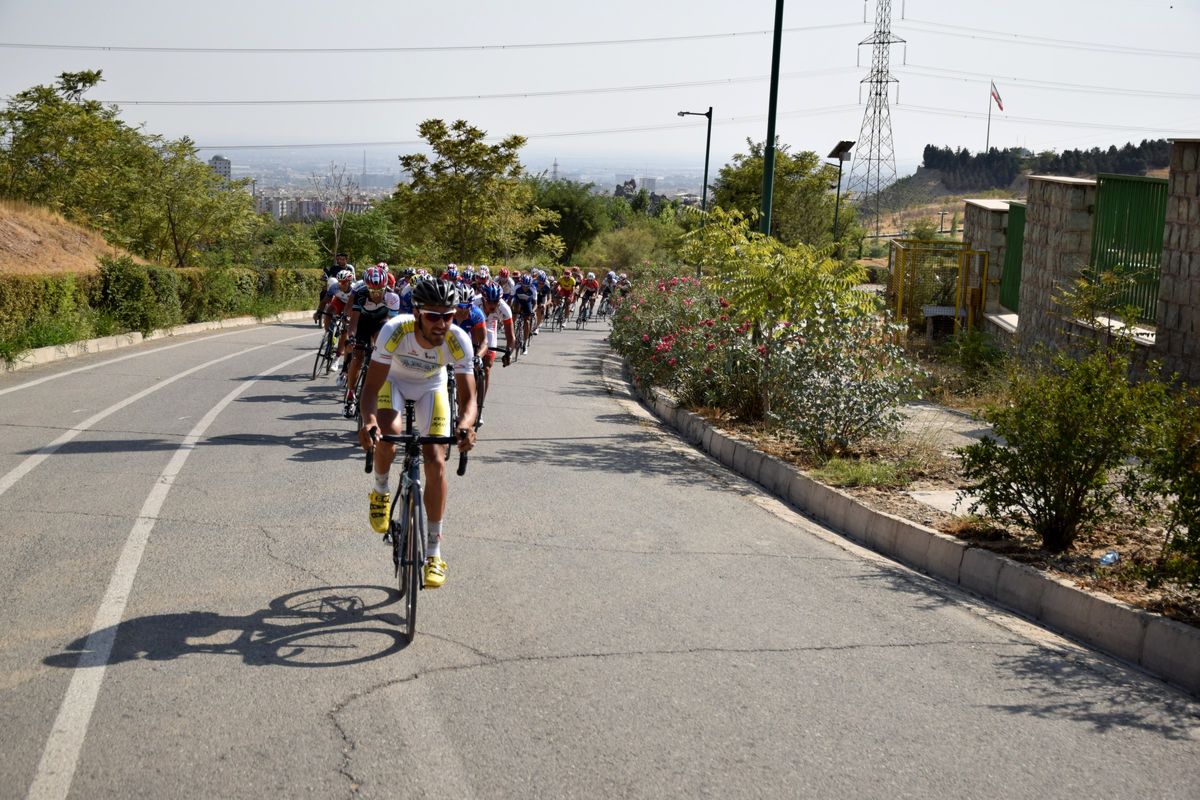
<point>412,559</point>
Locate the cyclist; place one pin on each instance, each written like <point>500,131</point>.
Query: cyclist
<point>544,291</point>
<point>471,319</point>
<point>587,294</point>
<point>566,292</point>
<point>524,302</point>
<point>623,284</point>
<point>404,290</point>
<point>331,272</point>
<point>507,286</point>
<point>373,304</point>
<point>497,312</point>
<point>409,364</point>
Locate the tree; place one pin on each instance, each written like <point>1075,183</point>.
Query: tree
<point>336,192</point>
<point>462,198</point>
<point>803,202</point>
<point>581,213</point>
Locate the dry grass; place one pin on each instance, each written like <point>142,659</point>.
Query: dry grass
<point>35,240</point>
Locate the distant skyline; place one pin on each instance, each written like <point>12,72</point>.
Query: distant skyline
<point>1072,73</point>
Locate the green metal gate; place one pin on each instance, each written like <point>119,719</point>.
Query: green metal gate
<point>1010,279</point>
<point>1127,237</point>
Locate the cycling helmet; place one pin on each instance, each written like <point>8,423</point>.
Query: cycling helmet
<point>591,276</point>
<point>383,265</point>
<point>452,272</point>
<point>525,279</point>
<point>468,274</point>
<point>375,278</point>
<point>624,276</point>
<point>408,272</point>
<point>434,292</point>
<point>484,271</point>
<point>490,292</point>
<point>503,272</point>
<point>345,275</point>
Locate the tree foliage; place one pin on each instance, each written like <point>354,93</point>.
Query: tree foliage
<point>803,203</point>
<point>465,199</point>
<point>143,192</point>
<point>582,214</point>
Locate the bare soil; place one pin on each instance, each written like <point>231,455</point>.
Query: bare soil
<point>37,241</point>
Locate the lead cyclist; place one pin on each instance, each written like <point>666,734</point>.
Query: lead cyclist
<point>409,362</point>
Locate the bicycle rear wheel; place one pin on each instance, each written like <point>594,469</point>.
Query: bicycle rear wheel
<point>322,355</point>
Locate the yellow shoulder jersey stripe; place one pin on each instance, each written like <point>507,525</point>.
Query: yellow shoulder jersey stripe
<point>456,349</point>
<point>402,330</point>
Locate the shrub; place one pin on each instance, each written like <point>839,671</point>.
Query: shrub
<point>1065,429</point>
<point>840,380</point>
<point>1173,462</point>
<point>127,294</point>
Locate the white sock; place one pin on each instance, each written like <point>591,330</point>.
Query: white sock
<point>381,482</point>
<point>434,545</point>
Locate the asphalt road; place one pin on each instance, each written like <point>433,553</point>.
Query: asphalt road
<point>194,606</point>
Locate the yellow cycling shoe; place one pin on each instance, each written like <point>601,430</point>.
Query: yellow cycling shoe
<point>435,572</point>
<point>381,504</point>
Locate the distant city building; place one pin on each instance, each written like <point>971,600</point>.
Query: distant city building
<point>222,166</point>
<point>649,184</point>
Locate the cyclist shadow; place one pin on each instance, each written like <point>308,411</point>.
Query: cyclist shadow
<point>328,626</point>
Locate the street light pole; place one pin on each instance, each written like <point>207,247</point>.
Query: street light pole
<point>707,148</point>
<point>769,152</point>
<point>842,153</point>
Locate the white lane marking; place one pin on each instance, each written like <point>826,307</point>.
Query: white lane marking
<point>57,375</point>
<point>26,466</point>
<point>57,767</point>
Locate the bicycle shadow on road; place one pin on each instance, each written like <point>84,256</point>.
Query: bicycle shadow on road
<point>327,626</point>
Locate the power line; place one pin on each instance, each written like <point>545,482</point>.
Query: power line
<point>1019,38</point>
<point>1033,83</point>
<point>463,97</point>
<point>420,48</point>
<point>554,135</point>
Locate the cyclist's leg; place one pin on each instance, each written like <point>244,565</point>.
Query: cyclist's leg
<point>433,417</point>
<point>380,498</point>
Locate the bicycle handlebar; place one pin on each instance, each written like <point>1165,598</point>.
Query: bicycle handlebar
<point>402,438</point>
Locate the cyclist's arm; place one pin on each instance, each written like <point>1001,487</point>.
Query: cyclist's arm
<point>352,325</point>
<point>467,410</point>
<point>377,373</point>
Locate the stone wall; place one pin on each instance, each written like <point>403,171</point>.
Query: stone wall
<point>1177,341</point>
<point>1058,244</point>
<point>985,227</point>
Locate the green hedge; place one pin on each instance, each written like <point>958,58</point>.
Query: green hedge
<point>37,311</point>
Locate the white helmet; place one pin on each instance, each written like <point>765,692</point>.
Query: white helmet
<point>591,276</point>
<point>345,275</point>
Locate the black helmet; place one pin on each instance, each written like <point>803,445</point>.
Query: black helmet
<point>434,292</point>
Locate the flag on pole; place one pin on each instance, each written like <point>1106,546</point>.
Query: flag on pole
<point>996,96</point>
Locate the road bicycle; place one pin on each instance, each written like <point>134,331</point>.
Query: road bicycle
<point>481,382</point>
<point>328,346</point>
<point>606,307</point>
<point>408,528</point>
<point>581,319</point>
<point>355,405</point>
<point>558,319</point>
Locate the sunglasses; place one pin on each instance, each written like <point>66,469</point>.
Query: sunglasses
<point>435,316</point>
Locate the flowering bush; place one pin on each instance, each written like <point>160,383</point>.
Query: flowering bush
<point>841,379</point>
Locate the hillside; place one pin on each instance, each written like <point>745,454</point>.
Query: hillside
<point>35,240</point>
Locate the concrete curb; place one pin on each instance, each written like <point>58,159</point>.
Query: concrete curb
<point>1165,648</point>
<point>47,355</point>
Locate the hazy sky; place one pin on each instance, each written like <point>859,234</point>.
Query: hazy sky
<point>1149,50</point>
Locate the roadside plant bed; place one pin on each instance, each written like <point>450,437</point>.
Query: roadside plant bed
<point>1140,546</point>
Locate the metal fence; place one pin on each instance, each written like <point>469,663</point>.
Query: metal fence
<point>936,279</point>
<point>1127,237</point>
<point>1010,278</point>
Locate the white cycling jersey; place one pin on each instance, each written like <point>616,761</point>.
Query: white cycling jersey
<point>414,368</point>
<point>492,322</point>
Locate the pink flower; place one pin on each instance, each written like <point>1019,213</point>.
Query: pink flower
<point>671,362</point>
<point>724,318</point>
<point>724,303</point>
<point>762,350</point>
<point>645,337</point>
<point>711,346</point>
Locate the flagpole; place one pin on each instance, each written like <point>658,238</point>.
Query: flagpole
<point>988,145</point>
